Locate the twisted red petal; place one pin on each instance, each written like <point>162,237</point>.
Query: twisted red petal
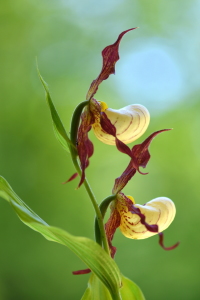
<point>161,238</point>
<point>141,151</point>
<point>141,156</point>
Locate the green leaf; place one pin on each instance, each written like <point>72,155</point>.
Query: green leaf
<point>130,290</point>
<point>58,127</point>
<point>97,291</point>
<point>102,265</point>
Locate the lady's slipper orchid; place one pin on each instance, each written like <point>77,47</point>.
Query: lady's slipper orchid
<point>139,221</point>
<point>160,211</point>
<point>111,126</point>
<point>130,123</point>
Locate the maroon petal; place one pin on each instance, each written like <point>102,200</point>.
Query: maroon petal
<point>140,158</point>
<point>107,126</point>
<point>141,151</point>
<point>121,181</point>
<point>81,272</point>
<point>161,238</point>
<point>71,178</point>
<point>85,147</point>
<point>110,57</point>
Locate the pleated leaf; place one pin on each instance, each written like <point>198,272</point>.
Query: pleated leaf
<point>87,250</point>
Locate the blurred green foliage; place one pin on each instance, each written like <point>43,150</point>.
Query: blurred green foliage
<point>67,38</point>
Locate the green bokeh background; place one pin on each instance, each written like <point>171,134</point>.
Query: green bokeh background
<point>159,67</point>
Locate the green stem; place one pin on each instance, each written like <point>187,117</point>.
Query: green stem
<point>116,296</point>
<point>99,216</point>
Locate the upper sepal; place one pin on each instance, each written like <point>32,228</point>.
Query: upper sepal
<point>110,57</point>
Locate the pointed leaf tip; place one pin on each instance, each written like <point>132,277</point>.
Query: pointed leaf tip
<point>58,127</point>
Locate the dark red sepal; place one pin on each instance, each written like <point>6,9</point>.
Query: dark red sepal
<point>161,238</point>
<point>71,178</point>
<point>85,147</point>
<point>81,272</point>
<point>141,156</point>
<point>110,56</point>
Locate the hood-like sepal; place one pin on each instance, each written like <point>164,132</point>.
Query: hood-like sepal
<point>110,56</point>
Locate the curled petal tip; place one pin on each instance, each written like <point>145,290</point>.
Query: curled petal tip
<point>142,172</point>
<point>161,238</point>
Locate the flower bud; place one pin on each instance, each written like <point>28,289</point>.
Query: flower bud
<point>130,122</point>
<point>160,211</point>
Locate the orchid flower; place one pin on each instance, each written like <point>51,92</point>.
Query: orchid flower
<point>134,220</point>
<point>111,126</point>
